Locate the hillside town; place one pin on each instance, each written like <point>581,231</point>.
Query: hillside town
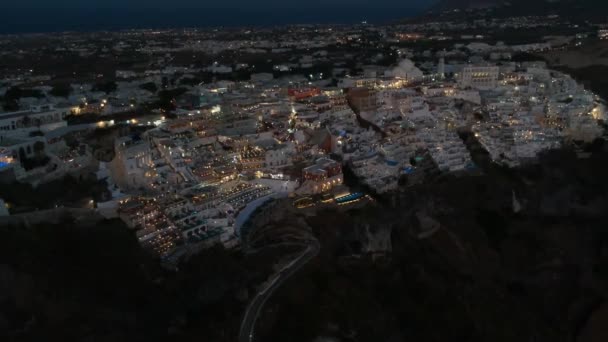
<point>195,130</point>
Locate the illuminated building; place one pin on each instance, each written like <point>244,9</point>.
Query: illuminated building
<point>303,93</point>
<point>323,175</point>
<point>484,77</point>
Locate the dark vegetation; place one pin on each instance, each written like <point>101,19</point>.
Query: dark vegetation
<point>61,90</point>
<point>32,163</point>
<point>593,77</point>
<point>69,192</point>
<point>10,100</point>
<point>166,98</point>
<point>190,81</point>
<point>105,86</point>
<point>150,86</point>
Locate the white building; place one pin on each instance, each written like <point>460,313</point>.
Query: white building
<point>133,159</point>
<point>37,118</point>
<point>279,156</point>
<point>479,77</point>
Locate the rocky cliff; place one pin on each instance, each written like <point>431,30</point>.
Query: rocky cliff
<point>462,263</point>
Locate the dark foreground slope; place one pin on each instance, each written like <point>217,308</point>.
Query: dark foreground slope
<point>460,264</point>
<point>449,261</point>
<point>71,282</point>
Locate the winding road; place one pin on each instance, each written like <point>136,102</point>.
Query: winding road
<point>246,332</point>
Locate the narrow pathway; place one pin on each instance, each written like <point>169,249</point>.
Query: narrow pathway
<point>246,333</point>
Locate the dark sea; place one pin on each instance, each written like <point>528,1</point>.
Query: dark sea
<point>51,20</point>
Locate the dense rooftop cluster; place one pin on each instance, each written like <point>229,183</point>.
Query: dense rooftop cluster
<point>193,130</point>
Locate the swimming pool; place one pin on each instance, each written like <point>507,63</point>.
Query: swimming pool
<point>349,197</point>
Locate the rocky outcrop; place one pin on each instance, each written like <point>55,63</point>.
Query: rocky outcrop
<point>463,264</point>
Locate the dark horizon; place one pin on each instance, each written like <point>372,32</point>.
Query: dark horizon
<point>89,20</point>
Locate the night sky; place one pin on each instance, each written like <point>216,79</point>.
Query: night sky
<point>86,15</point>
<point>165,4</point>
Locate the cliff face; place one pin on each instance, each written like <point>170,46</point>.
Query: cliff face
<point>462,264</point>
